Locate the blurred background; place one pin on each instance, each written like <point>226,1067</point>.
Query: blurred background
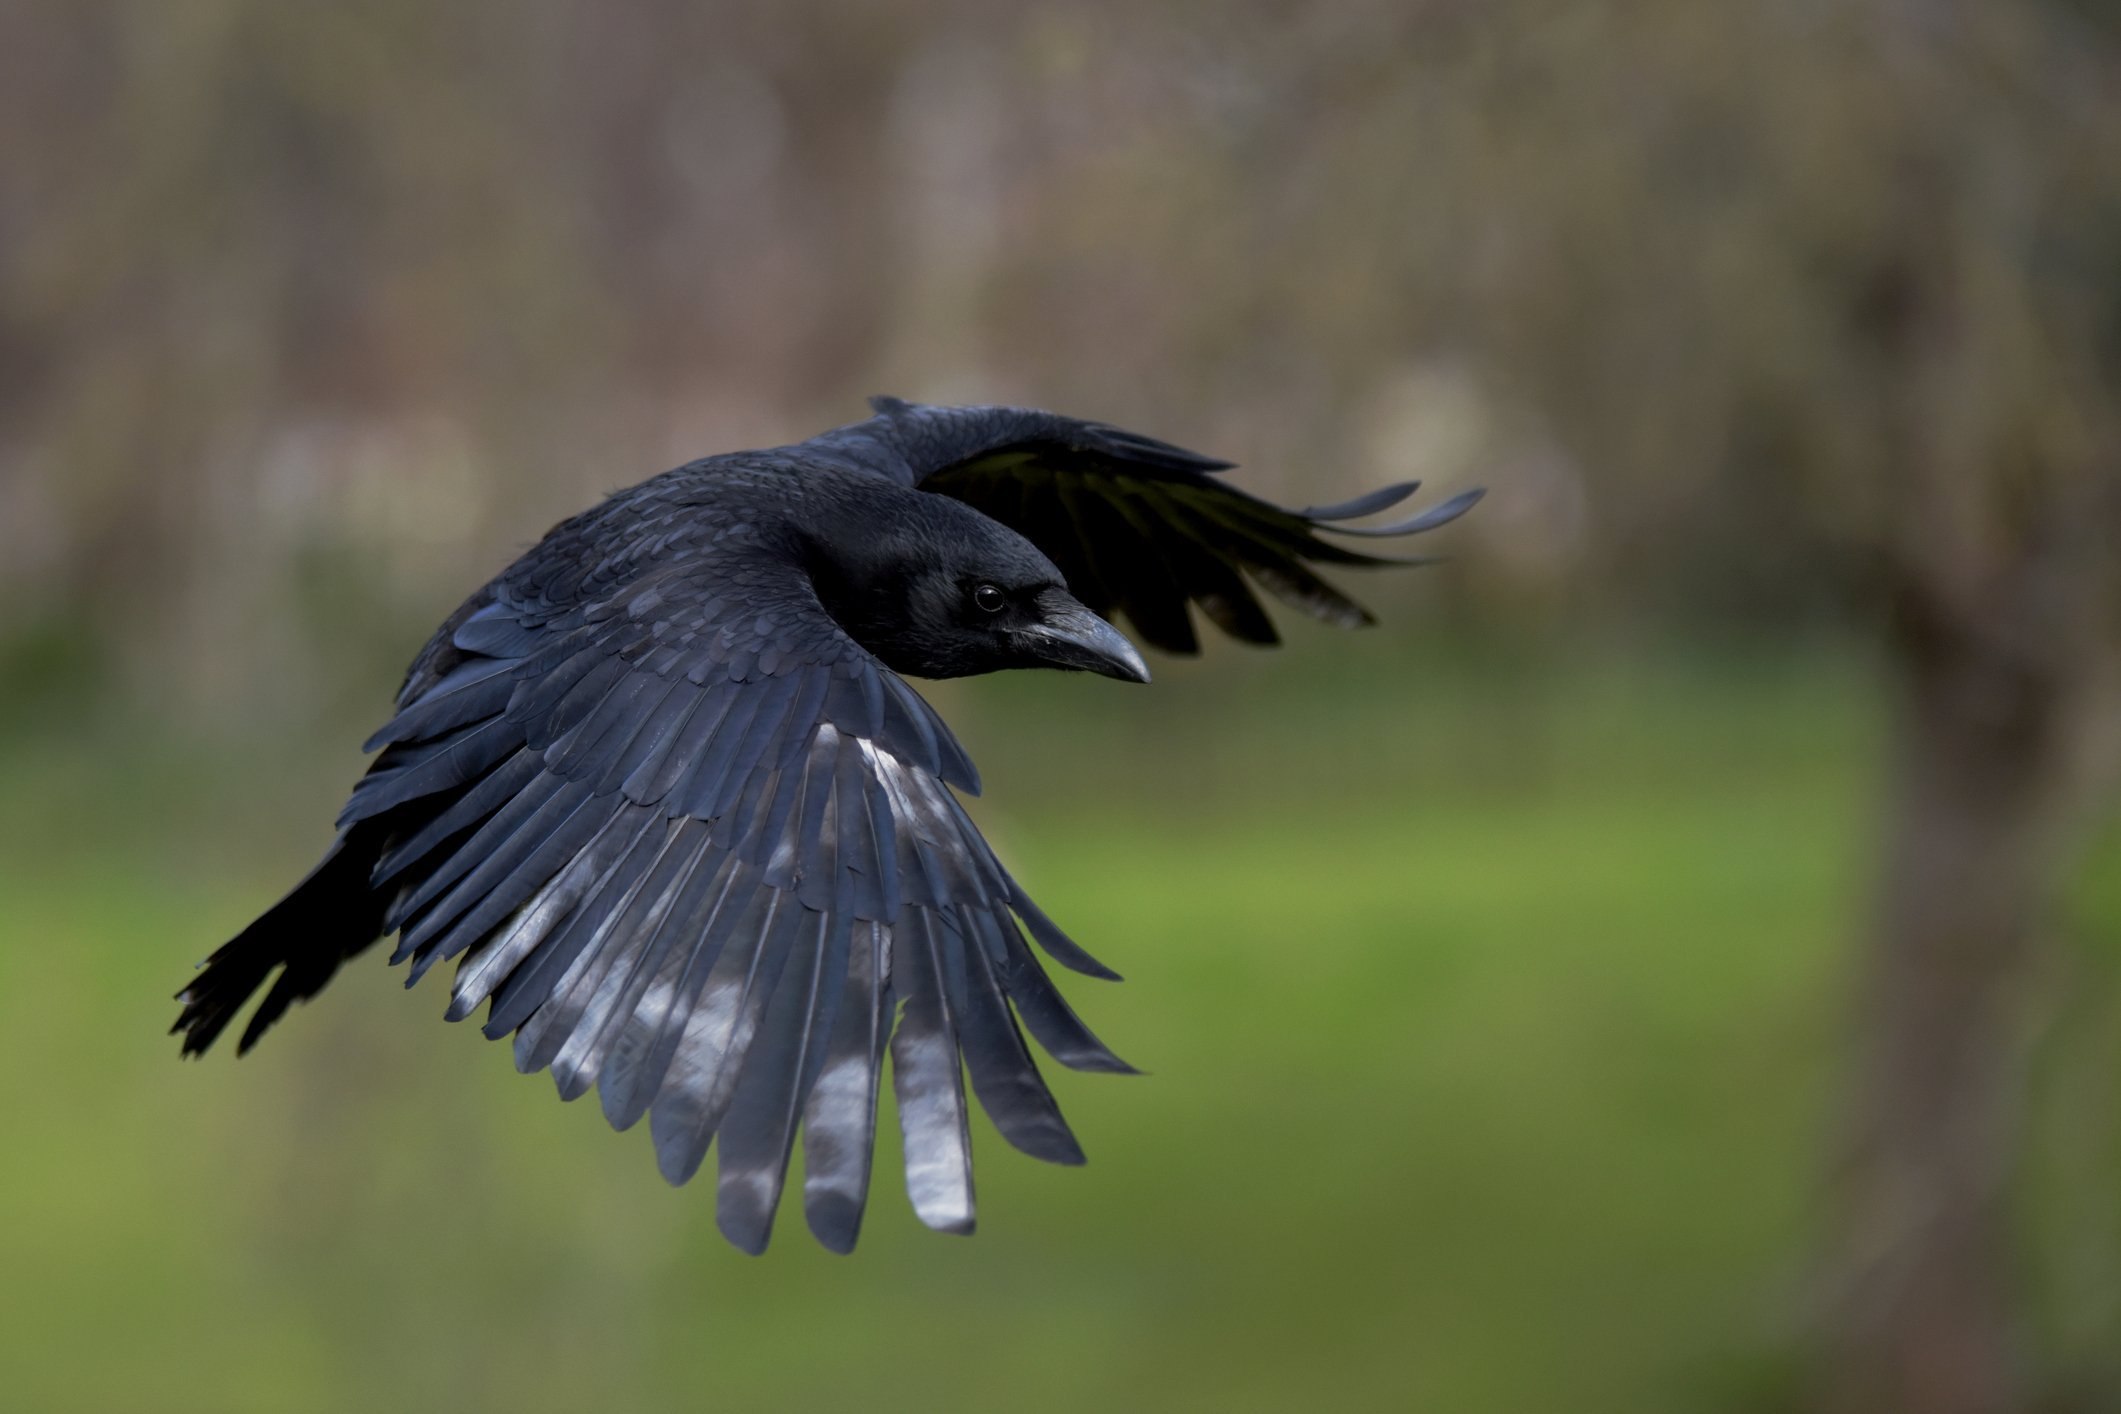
<point>1673,964</point>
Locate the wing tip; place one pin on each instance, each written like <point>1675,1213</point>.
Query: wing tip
<point>745,1228</point>
<point>953,1224</point>
<point>835,1221</point>
<point>677,1163</point>
<point>1099,1062</point>
<point>1053,942</point>
<point>1440,514</point>
<point>1053,1147</point>
<point>1368,504</point>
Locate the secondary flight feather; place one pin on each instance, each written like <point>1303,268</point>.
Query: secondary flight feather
<point>661,792</point>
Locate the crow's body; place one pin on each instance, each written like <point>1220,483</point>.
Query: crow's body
<point>660,790</point>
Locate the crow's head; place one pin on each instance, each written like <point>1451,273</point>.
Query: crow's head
<point>936,590</point>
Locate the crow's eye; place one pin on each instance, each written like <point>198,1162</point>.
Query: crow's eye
<point>990,599</point>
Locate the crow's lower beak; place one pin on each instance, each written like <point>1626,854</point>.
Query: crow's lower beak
<point>1070,636</point>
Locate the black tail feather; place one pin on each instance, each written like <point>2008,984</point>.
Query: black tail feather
<point>327,918</point>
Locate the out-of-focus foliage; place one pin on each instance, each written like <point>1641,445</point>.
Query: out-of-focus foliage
<point>1488,1055</point>
<point>1493,1086</point>
<point>300,297</point>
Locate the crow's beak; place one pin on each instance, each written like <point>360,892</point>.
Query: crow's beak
<point>1070,636</point>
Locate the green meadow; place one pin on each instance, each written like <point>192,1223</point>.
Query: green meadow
<point>1491,1016</point>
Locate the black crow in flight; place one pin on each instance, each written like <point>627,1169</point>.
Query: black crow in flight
<point>663,794</point>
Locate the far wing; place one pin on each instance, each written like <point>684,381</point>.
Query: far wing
<point>697,849</point>
<point>1147,528</point>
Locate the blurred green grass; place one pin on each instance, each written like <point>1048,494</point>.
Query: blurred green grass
<point>1489,1018</point>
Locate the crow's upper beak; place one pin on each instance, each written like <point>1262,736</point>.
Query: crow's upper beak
<point>1070,636</point>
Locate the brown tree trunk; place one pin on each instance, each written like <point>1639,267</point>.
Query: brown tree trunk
<point>1985,737</point>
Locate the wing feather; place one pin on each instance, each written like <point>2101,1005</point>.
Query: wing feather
<point>622,854</point>
<point>929,1082</point>
<point>709,1050</point>
<point>839,1116</point>
<point>406,773</point>
<point>783,1065</point>
<point>592,1012</point>
<point>688,943</point>
<point>499,788</point>
<point>468,693</point>
<point>492,854</point>
<point>1004,1076</point>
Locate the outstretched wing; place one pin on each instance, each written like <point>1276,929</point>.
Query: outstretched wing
<point>697,849</point>
<point>1144,527</point>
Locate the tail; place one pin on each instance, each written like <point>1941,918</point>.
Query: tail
<point>330,916</point>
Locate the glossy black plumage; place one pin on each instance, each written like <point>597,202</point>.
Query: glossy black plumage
<point>661,792</point>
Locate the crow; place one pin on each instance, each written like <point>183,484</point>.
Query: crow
<point>661,790</point>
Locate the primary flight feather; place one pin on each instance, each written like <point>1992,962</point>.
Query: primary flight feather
<point>662,794</point>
